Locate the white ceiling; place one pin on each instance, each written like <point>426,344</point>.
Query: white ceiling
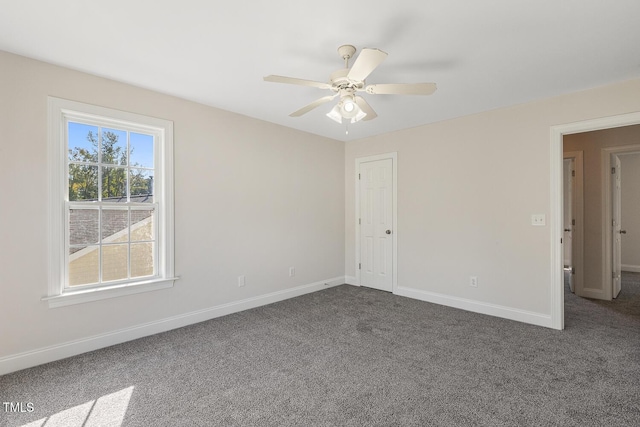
<point>483,54</point>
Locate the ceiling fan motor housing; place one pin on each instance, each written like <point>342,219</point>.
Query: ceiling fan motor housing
<point>340,82</point>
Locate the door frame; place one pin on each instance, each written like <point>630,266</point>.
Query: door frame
<point>615,224</point>
<point>577,250</point>
<point>394,235</point>
<point>607,210</point>
<point>556,162</point>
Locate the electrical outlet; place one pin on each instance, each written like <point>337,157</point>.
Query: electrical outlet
<point>292,271</point>
<point>538,219</point>
<point>473,281</point>
<point>240,281</point>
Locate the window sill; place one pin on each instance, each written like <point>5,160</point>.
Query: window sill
<point>95,294</point>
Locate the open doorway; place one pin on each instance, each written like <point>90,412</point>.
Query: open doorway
<point>603,151</point>
<point>630,211</point>
<point>597,276</point>
<point>624,205</point>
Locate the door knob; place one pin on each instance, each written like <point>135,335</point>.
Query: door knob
<point>567,229</point>
<point>389,231</point>
<point>623,231</point>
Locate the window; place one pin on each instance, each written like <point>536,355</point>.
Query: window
<point>111,203</point>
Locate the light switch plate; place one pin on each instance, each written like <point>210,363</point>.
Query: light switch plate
<point>538,219</point>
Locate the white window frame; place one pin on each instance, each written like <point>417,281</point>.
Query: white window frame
<point>61,111</point>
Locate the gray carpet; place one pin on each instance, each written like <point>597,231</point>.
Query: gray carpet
<point>350,356</point>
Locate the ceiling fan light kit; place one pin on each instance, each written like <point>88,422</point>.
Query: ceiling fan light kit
<point>334,114</point>
<point>348,106</point>
<point>348,109</point>
<point>347,81</point>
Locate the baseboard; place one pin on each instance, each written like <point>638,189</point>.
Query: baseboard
<point>52,353</point>
<point>632,268</point>
<point>351,280</point>
<point>524,316</point>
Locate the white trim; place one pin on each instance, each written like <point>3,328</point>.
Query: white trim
<point>166,237</point>
<point>59,112</point>
<point>351,280</point>
<point>539,319</point>
<point>556,219</point>
<point>108,291</point>
<point>48,354</point>
<point>631,268</point>
<point>56,214</point>
<point>394,240</point>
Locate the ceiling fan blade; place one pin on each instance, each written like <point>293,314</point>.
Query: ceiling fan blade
<point>293,81</point>
<point>402,89</point>
<point>367,61</point>
<point>313,105</point>
<point>365,107</point>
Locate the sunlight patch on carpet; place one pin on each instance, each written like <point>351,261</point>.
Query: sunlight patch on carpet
<point>108,410</point>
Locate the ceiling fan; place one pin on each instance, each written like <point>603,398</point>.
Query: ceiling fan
<point>347,81</point>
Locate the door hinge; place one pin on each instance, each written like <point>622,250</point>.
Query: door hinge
<point>573,270</point>
<point>358,176</point>
<point>613,171</point>
<point>359,266</point>
<point>359,220</point>
<point>573,222</point>
<point>573,173</point>
<point>561,240</point>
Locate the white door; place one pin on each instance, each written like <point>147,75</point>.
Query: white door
<point>617,229</point>
<point>376,220</point>
<point>569,174</point>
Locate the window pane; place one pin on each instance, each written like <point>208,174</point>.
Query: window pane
<point>82,142</point>
<point>114,184</point>
<point>115,225</point>
<point>83,265</point>
<point>114,262</point>
<point>114,207</point>
<point>83,182</point>
<point>141,182</point>
<point>141,259</point>
<point>114,147</point>
<point>83,226</point>
<point>141,150</point>
<point>142,225</point>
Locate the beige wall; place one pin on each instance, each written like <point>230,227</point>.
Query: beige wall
<point>592,143</point>
<point>466,191</point>
<point>630,165</point>
<point>252,198</point>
